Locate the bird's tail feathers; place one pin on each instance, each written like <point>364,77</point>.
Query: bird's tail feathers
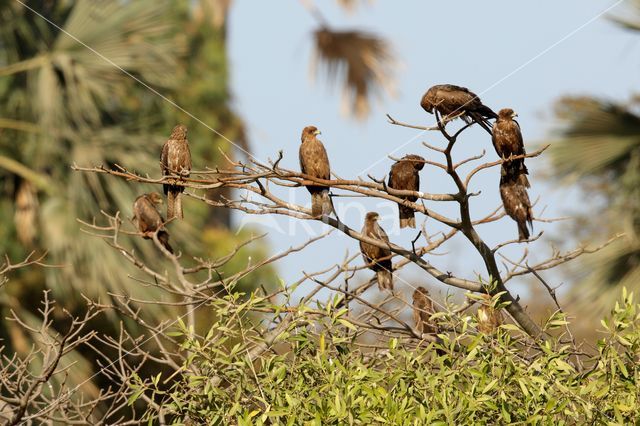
<point>487,112</point>
<point>385,279</point>
<point>481,120</point>
<point>321,204</point>
<point>407,217</point>
<point>523,231</point>
<point>163,237</point>
<point>174,205</point>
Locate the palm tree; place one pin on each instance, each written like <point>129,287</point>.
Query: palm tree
<point>598,147</point>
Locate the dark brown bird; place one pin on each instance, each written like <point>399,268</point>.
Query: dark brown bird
<point>175,160</point>
<point>315,162</point>
<point>149,220</point>
<point>405,175</point>
<point>450,100</point>
<point>507,140</point>
<point>516,202</point>
<point>422,311</point>
<point>489,318</point>
<point>378,258</point>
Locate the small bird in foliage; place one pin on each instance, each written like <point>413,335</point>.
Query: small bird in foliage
<point>507,140</point>
<point>175,160</point>
<point>379,259</point>
<point>489,318</point>
<point>315,162</point>
<point>450,100</point>
<point>422,311</point>
<point>405,175</point>
<point>149,220</point>
<point>516,201</point>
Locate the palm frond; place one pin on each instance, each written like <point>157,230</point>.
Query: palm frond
<point>595,137</point>
<point>351,5</point>
<point>363,63</point>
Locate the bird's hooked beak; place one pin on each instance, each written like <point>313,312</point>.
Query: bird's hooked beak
<point>514,115</point>
<point>317,132</point>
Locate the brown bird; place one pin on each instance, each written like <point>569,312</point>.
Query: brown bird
<point>404,175</point>
<point>175,160</point>
<point>489,318</point>
<point>450,100</point>
<point>507,140</point>
<point>371,253</point>
<point>149,220</point>
<point>422,311</point>
<point>315,162</point>
<point>516,202</point>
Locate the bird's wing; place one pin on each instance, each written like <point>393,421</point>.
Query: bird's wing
<point>164,158</point>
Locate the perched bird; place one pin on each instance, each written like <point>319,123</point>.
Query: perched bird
<point>372,254</point>
<point>422,311</point>
<point>404,175</point>
<point>450,100</point>
<point>516,201</point>
<point>315,162</point>
<point>489,318</point>
<point>175,160</point>
<point>149,220</point>
<point>507,140</point>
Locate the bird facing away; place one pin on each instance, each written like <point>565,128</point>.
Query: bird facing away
<point>489,318</point>
<point>379,259</point>
<point>516,202</point>
<point>175,160</point>
<point>507,140</point>
<point>149,220</point>
<point>404,175</point>
<point>315,162</point>
<point>422,311</point>
<point>450,100</point>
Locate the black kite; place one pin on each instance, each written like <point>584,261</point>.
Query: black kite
<point>379,259</point>
<point>450,100</point>
<point>489,318</point>
<point>507,140</point>
<point>175,160</point>
<point>422,311</point>
<point>404,175</point>
<point>315,162</point>
<point>149,220</point>
<point>516,201</point>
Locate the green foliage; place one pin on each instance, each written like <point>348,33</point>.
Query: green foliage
<point>318,372</point>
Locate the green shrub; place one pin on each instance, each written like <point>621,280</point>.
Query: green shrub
<point>322,369</point>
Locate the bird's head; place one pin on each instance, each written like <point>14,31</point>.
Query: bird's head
<point>179,132</point>
<point>426,103</point>
<point>155,198</point>
<point>372,217</point>
<point>420,291</point>
<point>310,132</point>
<point>416,160</point>
<point>507,114</point>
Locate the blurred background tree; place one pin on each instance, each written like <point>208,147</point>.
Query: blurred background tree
<point>597,148</point>
<point>69,95</point>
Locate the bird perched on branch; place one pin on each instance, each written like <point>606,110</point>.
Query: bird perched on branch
<point>516,201</point>
<point>489,318</point>
<point>404,175</point>
<point>315,162</point>
<point>175,160</point>
<point>450,100</point>
<point>507,140</point>
<point>422,311</point>
<point>149,220</point>
<point>378,258</point>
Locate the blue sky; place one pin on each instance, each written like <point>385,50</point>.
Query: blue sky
<point>522,55</point>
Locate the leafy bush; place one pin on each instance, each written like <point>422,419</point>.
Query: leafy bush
<point>317,367</point>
